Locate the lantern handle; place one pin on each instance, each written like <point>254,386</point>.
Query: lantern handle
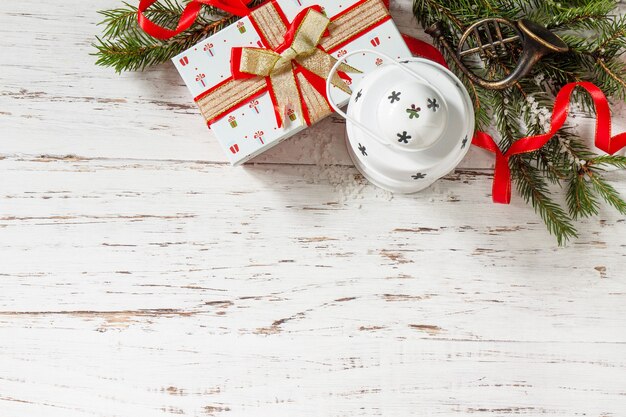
<point>336,108</point>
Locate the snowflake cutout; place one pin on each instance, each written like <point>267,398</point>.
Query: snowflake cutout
<point>418,176</point>
<point>358,96</point>
<point>395,96</point>
<point>414,111</point>
<point>362,150</point>
<point>432,104</point>
<point>464,142</point>
<point>404,137</point>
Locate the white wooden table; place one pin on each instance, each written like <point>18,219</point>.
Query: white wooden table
<point>143,276</point>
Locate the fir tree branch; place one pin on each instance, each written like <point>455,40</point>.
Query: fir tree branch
<point>533,188</point>
<point>125,47</point>
<point>118,21</point>
<point>585,15</point>
<point>617,161</point>
<point>430,6</point>
<point>612,75</point>
<point>613,37</point>
<point>596,38</point>
<point>581,200</point>
<point>608,193</point>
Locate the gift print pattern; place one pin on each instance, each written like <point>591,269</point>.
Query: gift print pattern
<point>259,135</point>
<point>363,150</point>
<point>208,48</point>
<point>200,79</point>
<point>418,176</point>
<point>249,123</point>
<point>211,57</point>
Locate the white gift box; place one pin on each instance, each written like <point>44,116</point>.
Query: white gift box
<point>251,127</point>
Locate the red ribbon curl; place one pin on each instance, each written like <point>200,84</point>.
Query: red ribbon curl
<point>603,139</point>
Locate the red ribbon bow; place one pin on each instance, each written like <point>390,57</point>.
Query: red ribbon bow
<point>317,81</point>
<point>604,141</point>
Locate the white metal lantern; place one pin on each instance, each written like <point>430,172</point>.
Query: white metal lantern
<point>408,123</point>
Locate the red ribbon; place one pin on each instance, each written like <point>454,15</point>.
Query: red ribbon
<point>189,15</point>
<point>236,51</point>
<point>424,50</point>
<point>604,141</point>
<point>317,82</point>
<point>240,8</point>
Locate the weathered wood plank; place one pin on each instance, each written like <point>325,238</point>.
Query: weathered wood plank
<point>168,288</point>
<point>142,276</point>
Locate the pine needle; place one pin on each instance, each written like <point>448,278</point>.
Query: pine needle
<point>597,39</point>
<point>125,47</point>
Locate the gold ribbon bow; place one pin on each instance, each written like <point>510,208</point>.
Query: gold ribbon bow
<point>303,50</point>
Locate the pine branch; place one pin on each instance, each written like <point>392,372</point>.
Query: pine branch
<point>585,15</point>
<point>119,21</point>
<point>597,38</point>
<point>139,51</point>
<point>533,188</point>
<point>612,40</point>
<point>581,200</point>
<point>617,161</point>
<point>125,47</point>
<point>608,193</point>
<point>611,77</point>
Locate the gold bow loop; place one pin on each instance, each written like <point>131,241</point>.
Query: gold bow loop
<point>279,67</point>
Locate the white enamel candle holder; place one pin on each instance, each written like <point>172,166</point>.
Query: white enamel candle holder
<point>408,124</point>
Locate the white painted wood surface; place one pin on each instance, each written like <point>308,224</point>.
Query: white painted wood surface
<point>142,276</point>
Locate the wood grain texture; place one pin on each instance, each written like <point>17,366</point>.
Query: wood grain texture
<point>143,276</point>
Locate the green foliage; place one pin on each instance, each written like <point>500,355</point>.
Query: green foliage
<point>597,40</point>
<point>592,29</point>
<point>125,47</point>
